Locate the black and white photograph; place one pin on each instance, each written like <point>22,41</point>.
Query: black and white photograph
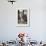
<point>23,17</point>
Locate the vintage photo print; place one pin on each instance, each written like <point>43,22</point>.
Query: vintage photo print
<point>22,17</point>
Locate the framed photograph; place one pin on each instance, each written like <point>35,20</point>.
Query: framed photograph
<point>22,17</point>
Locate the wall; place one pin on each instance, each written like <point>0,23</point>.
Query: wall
<point>37,29</point>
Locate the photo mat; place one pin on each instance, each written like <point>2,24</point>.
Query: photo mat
<point>22,17</point>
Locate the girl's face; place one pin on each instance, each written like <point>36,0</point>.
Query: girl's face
<point>25,12</point>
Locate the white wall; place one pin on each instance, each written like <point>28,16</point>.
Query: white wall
<point>37,29</point>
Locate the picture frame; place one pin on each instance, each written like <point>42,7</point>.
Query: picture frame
<point>22,17</point>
